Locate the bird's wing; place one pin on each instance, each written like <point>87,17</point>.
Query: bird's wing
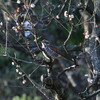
<point>55,49</point>
<point>62,53</point>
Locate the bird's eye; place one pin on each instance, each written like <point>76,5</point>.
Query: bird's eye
<point>45,41</point>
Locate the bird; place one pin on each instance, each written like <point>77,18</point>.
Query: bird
<point>55,52</point>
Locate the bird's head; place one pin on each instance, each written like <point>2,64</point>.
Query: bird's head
<point>45,43</point>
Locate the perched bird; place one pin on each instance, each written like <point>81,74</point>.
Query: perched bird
<point>55,52</point>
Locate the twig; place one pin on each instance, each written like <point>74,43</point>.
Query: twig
<point>64,46</point>
<point>67,69</point>
<point>90,95</point>
<point>21,60</point>
<point>35,69</point>
<point>68,35</point>
<point>61,10</point>
<point>36,41</point>
<point>6,37</point>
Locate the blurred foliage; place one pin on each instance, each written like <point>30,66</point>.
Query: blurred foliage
<point>24,97</point>
<point>10,86</point>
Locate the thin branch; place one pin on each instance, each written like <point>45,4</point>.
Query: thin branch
<point>85,97</point>
<point>64,46</point>
<point>68,35</point>
<point>61,10</point>
<point>67,69</point>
